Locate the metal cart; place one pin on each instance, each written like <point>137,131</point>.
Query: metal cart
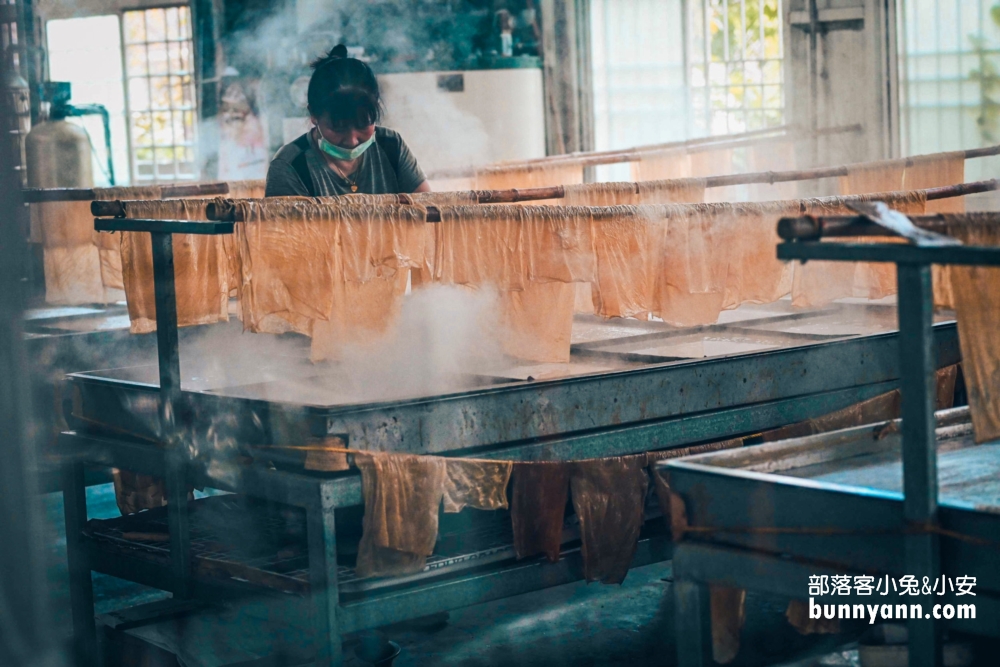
<point>769,518</point>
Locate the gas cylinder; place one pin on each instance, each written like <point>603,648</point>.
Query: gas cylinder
<point>59,155</point>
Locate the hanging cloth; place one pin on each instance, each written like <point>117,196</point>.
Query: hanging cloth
<point>773,156</point>
<point>201,270</point>
<point>478,484</point>
<point>932,172</point>
<point>755,273</point>
<point>522,176</point>
<point>728,611</point>
<point>658,165</point>
<point>538,322</point>
<point>334,272</point>
<point>626,243</point>
<point>717,162</point>
<point>690,281</point>
<point>977,303</point>
<point>402,497</point>
<point>82,265</point>
<point>819,283</point>
<point>479,246</point>
<point>609,497</point>
<point>530,255</point>
<point>248,189</point>
<point>538,505</point>
<point>286,265</point>
<point>870,280</point>
<point>601,194</point>
<point>71,260</point>
<point>676,191</point>
<point>109,243</point>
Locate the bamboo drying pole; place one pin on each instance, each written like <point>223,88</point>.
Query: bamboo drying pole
<point>37,195</point>
<point>596,158</point>
<point>225,209</point>
<point>813,228</point>
<point>761,177</point>
<point>219,210</point>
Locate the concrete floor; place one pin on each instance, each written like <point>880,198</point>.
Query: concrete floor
<point>576,624</point>
<point>581,625</point>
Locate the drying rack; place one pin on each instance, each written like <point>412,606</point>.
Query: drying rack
<point>822,528</point>
<point>178,560</point>
<point>618,156</point>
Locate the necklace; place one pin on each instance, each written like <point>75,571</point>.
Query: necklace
<point>350,182</point>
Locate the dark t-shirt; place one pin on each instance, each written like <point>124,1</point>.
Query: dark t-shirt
<point>375,175</point>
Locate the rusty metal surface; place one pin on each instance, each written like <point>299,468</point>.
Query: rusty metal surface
<point>633,382</point>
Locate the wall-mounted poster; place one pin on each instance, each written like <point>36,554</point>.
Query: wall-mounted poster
<point>243,152</point>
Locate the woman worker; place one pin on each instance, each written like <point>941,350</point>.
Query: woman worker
<point>344,152</point>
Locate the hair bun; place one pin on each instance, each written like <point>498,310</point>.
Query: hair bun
<point>339,51</point>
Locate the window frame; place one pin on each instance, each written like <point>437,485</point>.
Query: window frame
<point>195,110</point>
<point>698,53</point>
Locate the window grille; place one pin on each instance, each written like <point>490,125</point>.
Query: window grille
<point>162,107</point>
<point>735,65</point>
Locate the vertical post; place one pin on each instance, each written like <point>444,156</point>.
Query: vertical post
<point>917,381</point>
<point>323,588</point>
<point>178,521</point>
<point>27,626</point>
<point>81,587</point>
<point>165,295</point>
<point>204,16</point>
<point>168,353</point>
<point>692,620</point>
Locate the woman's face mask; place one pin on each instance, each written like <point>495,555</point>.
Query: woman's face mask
<point>346,144</point>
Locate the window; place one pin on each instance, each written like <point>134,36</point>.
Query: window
<point>950,78</point>
<point>87,53</point>
<point>736,77</point>
<point>159,69</point>
<point>638,72</point>
<point>655,81</point>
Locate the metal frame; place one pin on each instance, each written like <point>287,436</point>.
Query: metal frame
<point>675,404</point>
<point>57,350</point>
<point>697,565</point>
<point>194,110</point>
<point>704,60</point>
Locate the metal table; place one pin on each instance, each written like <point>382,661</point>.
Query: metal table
<point>68,339</point>
<point>654,400</point>
<point>769,526</point>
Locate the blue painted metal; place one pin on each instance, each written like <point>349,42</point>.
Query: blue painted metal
<point>163,226</point>
<point>873,531</point>
<point>168,352</point>
<point>789,577</point>
<point>524,412</point>
<point>693,621</point>
<point>890,252</point>
<point>920,476</point>
<point>81,587</point>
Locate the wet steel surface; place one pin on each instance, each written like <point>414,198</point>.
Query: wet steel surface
<point>662,372</point>
<point>598,346</point>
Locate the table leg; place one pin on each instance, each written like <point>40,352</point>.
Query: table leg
<point>324,590</point>
<point>920,484</point>
<point>693,623</point>
<point>81,587</point>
